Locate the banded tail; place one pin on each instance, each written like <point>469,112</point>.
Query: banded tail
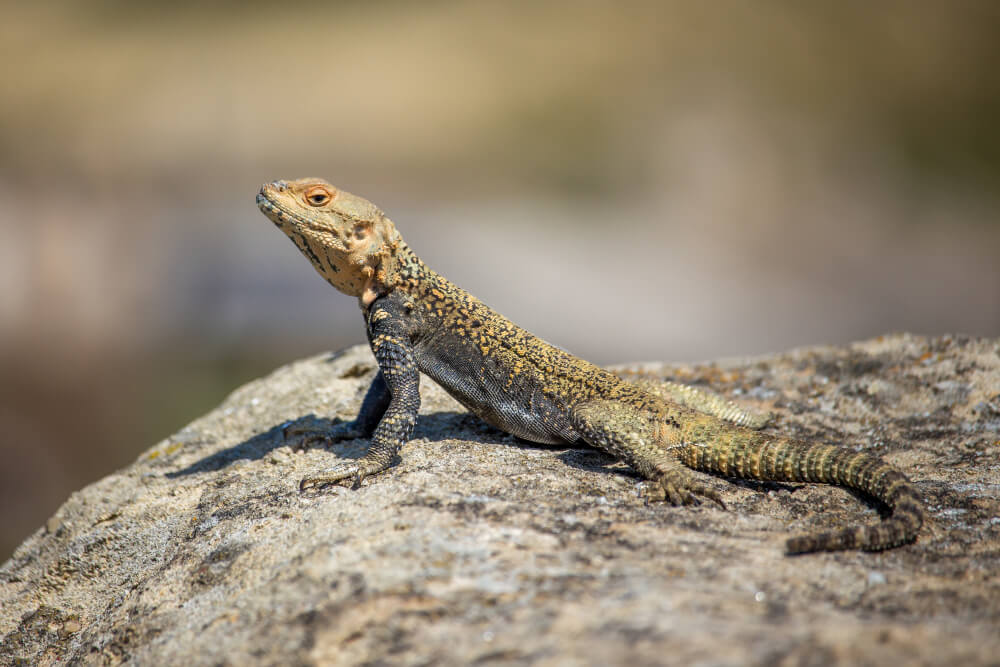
<point>759,456</point>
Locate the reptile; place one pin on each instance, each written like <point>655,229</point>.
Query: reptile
<point>418,321</point>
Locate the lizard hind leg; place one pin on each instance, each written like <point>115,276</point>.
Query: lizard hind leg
<point>704,400</point>
<point>645,441</point>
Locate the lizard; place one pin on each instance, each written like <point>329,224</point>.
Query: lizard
<point>418,321</point>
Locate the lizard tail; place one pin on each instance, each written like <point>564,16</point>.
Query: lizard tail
<point>750,455</point>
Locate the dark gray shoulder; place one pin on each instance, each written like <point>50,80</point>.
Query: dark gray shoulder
<point>394,313</point>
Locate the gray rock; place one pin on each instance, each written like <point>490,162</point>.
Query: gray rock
<point>478,548</point>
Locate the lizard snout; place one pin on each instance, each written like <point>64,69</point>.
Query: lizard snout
<point>279,186</point>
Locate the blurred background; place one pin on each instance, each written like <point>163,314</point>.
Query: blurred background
<point>630,180</point>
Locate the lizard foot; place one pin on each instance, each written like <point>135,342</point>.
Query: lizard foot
<point>304,434</point>
<point>680,489</point>
<point>355,471</point>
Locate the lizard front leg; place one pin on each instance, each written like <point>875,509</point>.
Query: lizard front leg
<point>373,407</point>
<point>647,440</point>
<point>401,378</point>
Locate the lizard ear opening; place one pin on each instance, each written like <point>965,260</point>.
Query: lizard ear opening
<point>362,230</point>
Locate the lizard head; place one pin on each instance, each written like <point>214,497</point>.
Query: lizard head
<point>348,239</point>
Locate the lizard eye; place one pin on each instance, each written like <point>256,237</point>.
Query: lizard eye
<point>318,196</point>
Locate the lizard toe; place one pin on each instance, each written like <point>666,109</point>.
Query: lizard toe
<point>653,493</point>
<point>312,432</point>
<point>679,490</point>
<point>336,475</point>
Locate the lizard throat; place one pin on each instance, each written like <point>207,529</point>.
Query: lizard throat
<point>357,256</point>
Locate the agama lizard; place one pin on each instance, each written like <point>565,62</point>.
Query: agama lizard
<point>419,321</point>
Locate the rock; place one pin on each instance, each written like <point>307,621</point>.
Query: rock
<point>478,548</point>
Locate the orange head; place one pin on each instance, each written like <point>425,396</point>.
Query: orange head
<point>348,239</point>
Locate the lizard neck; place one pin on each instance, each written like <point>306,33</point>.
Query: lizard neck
<point>411,269</point>
<point>400,269</point>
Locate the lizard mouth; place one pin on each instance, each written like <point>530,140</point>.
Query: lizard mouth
<point>270,210</point>
<point>280,213</point>
<point>277,213</point>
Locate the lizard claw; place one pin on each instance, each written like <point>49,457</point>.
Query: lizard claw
<point>333,476</point>
<point>681,490</point>
<point>355,471</point>
<point>306,433</point>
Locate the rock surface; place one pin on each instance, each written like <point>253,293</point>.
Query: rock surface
<point>480,549</point>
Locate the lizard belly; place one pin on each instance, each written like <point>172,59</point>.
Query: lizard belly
<point>514,405</point>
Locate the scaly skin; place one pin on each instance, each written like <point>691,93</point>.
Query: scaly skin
<point>419,321</point>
